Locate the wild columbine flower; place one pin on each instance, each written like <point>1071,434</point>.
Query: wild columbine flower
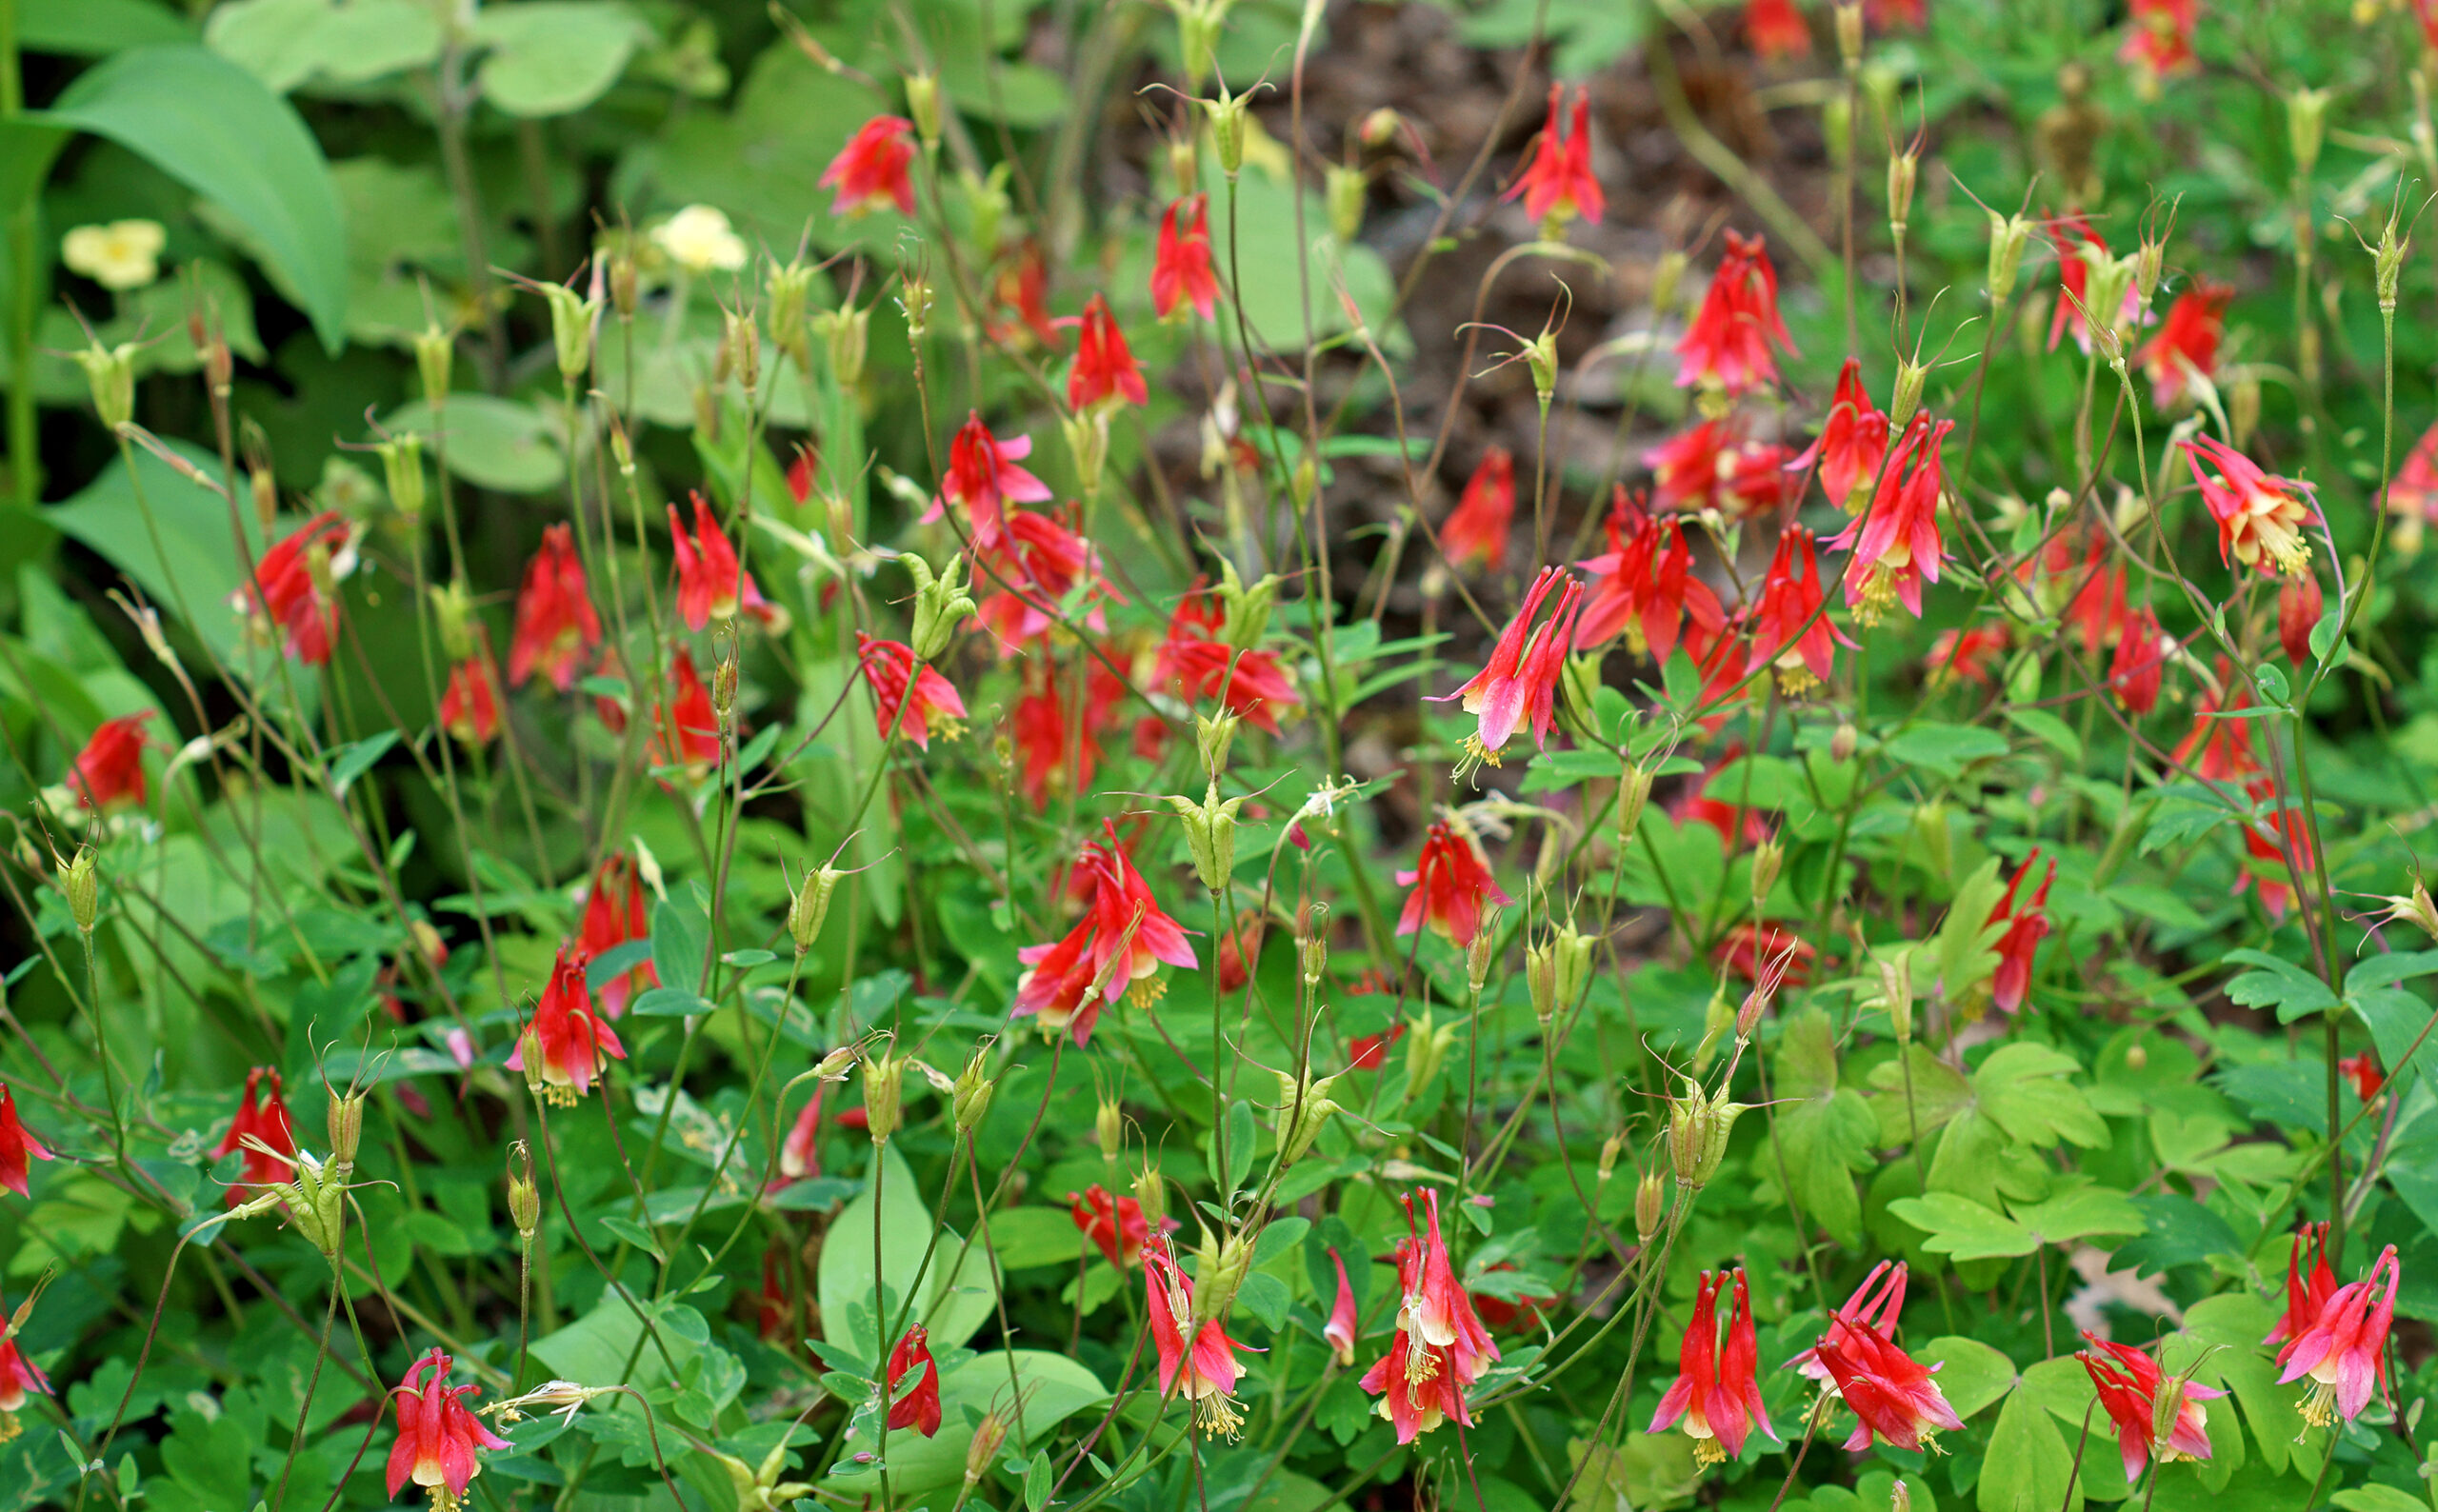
<point>2152,1411</point>
<point>1195,662</point>
<point>1115,1225</point>
<point>2134,673</point>
<point>2187,341</point>
<point>2307,1292</point>
<point>557,628</point>
<point>1521,681</point>
<point>1103,372</point>
<point>1058,746</point>
<point>291,589</point>
<point>2412,494</point>
<point>1891,1393</point>
<point>1474,535</point>
<point>1368,1052</point>
<point>1851,442</point>
<point>2299,607</point>
<point>18,1374</point>
<point>2068,234</point>
<point>1877,1304</point>
<point>870,172</point>
<point>1728,345</point>
<point>1776,29</point>
<point>1181,264</point>
<point>1757,953</point>
<point>614,916</point>
<point>261,1120</point>
<point>1116,949</point>
<point>1558,185</point>
<point>1440,1346</point>
<point>919,1408</point>
<point>1498,1312</point>
<point>1043,564</point>
<point>2265,849</point>
<point>888,665</point>
<point>1714,466</point>
<point>1912,13</point>
<point>1790,633</point>
<point>983,478</point>
<point>1339,1330</point>
<point>1717,1392</point>
<point>1450,884</point>
<point>437,1437</point>
<point>800,1152</point>
<point>685,726</point>
<point>2092,590</point>
<point>109,769</point>
<point>1023,290</point>
<point>1197,1361</point>
<point>2363,1073</point>
<point>2160,42</point>
<point>2218,748</point>
<point>712,584</point>
<point>2027,926</point>
<point>17,1147</point>
<point>2260,518</point>
<point>1895,542</point>
<point>565,1035</point>
<point>1968,655</point>
<point>2343,1351</point>
<point>1645,586</point>
<point>469,704</point>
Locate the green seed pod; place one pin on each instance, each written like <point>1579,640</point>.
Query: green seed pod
<point>1219,1274</point>
<point>1346,191</point>
<point>572,321</point>
<point>884,1084</point>
<point>809,907</point>
<point>402,471</point>
<point>1212,735</point>
<point>1303,1107</point>
<point>80,878</point>
<point>2009,234</point>
<point>109,372</point>
<point>969,1101</point>
<point>923,104</point>
<point>940,602</point>
<point>524,1198</point>
<point>434,349</point>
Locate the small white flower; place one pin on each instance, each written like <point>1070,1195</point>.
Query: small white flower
<point>122,255</point>
<point>699,239</point>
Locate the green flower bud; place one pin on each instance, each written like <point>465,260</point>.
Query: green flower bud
<point>923,104</point>
<point>402,470</point>
<point>109,371</point>
<point>1346,191</point>
<point>941,604</point>
<point>434,349</point>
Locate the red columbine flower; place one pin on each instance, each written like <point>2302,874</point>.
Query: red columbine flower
<point>1500,1313</point>
<point>2299,607</point>
<point>1194,664</point>
<point>1891,1393</point>
<point>437,1437</point>
<point>1895,542</point>
<point>1643,585</point>
<point>2265,851</point>
<point>568,1036</point>
<point>2130,1383</point>
<point>1791,595</point>
<point>557,628</point>
<point>710,583</point>
<point>1197,1362</point>
<point>1851,442</point>
<point>2306,1296</point>
<point>2412,494</point>
<point>613,914</point>
<point>1776,29</point>
<point>2260,519</point>
<point>919,1409</point>
<point>1115,1225</point>
<point>1913,13</point>
<point>1521,680</point>
<point>869,171</point>
<point>1440,1346</point>
<point>1728,345</point>
<point>1368,1052</point>
<point>1877,1304</point>
<point>1450,884</point>
<point>685,726</point>
<point>887,664</point>
<point>1339,1330</point>
<point>2186,341</point>
<point>1022,289</point>
<point>800,1153</point>
<point>1716,1392</point>
<point>1968,655</point>
<point>1558,184</point>
<point>2161,41</point>
<point>1103,369</point>
<point>2134,673</point>
<point>293,591</point>
<point>266,1120</point>
<point>1476,530</point>
<point>1117,948</point>
<point>1181,265</point>
<point>1753,951</point>
<point>110,768</point>
<point>2345,1349</point>
<point>469,704</point>
<point>1055,749</point>
<point>2363,1071</point>
<point>1043,562</point>
<point>983,478</point>
<point>16,1146</point>
<point>18,1374</point>
<point>2025,927</point>
<point>2068,234</point>
<point>1714,465</point>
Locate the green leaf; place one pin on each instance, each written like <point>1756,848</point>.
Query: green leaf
<point>2377,1498</point>
<point>195,567</point>
<point>2029,1464</point>
<point>1964,1228</point>
<point>2278,984</point>
<point>681,943</point>
<point>1051,1386</point>
<point>1970,1374</point>
<point>2080,1213</point>
<point>211,124</point>
<point>1966,949</point>
<point>1946,748</point>
<point>635,1234</point>
<point>491,443</point>
<point>1829,1133</point>
<point>2049,730</point>
<point>2235,1323</point>
<point>2022,1088</point>
<point>1027,1237</point>
<point>356,758</point>
<point>953,1309</point>
<point>553,57</point>
<point>290,44</point>
<point>92,28</point>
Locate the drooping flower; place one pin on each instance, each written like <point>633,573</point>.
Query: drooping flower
<point>437,1437</point>
<point>1023,290</point>
<point>1117,947</point>
<point>1776,29</point>
<point>1717,1392</point>
<point>983,478</point>
<point>1645,586</point>
<point>1751,951</point>
<point>1103,371</point>
<point>2134,673</point>
<point>1967,655</point>
<point>1450,882</point>
<point>2266,851</point>
<point>2412,494</point>
<point>2069,234</point>
<point>109,769</point>
<point>1520,682</point>
<point>869,171</point>
<point>1197,1361</point>
<point>1042,564</point>
<point>800,1153</point>
<point>2160,42</point>
<point>2130,1384</point>
<point>2260,518</point>
<point>1181,265</point>
<point>1115,1225</point>
<point>1475,533</point>
<point>469,704</point>
<point>1440,1346</point>
<point>1877,1304</point>
<point>569,1039</point>
<point>614,915</point>
<point>2218,748</point>
<point>1339,1330</point>
<point>261,1132</point>
<point>888,667</point>
<point>1852,441</point>
<point>291,589</point>
<point>1728,343</point>
<point>557,628</point>
<point>1558,185</point>
<point>1891,1393</point>
<point>712,584</point>
<point>2363,1073</point>
<point>2186,341</point>
<point>2299,607</point>
<point>18,1374</point>
<point>2344,1352</point>
<point>2027,926</point>
<point>685,726</point>
<point>1057,734</point>
<point>1195,662</point>
<point>919,1408</point>
<point>1714,466</point>
<point>17,1147</point>
<point>1789,632</point>
<point>1895,542</point>
<point>2306,1293</point>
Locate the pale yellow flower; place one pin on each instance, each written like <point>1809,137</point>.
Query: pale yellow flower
<point>698,239</point>
<point>122,255</point>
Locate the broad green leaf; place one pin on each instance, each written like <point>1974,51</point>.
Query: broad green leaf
<point>1967,953</point>
<point>2022,1087</point>
<point>2080,1213</point>
<point>553,57</point>
<point>2278,984</point>
<point>1828,1134</point>
<point>2235,1323</point>
<point>2378,1497</point>
<point>92,28</point>
<point>354,759</point>
<point>1964,1228</point>
<point>170,534</point>
<point>1946,748</point>
<point>1026,1237</point>
<point>681,943</point>
<point>1050,1387</point>
<point>1970,1374</point>
<point>596,1347</point>
<point>2029,1464</point>
<point>291,44</point>
<point>1939,1093</point>
<point>951,1307</point>
<point>490,442</point>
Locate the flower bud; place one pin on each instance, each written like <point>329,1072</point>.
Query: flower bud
<point>402,471</point>
<point>1633,795</point>
<point>1212,735</point>
<point>1842,742</point>
<point>809,907</point>
<point>1108,1129</point>
<point>109,372</point>
<point>1303,1106</point>
<point>572,321</point>
<point>434,349</point>
<point>834,1066</point>
<point>987,1436</point>
<point>1346,191</point>
<point>1088,445</point>
<point>848,332</point>
<point>1218,1275</point>
<point>1482,953</point>
<point>941,604</point>
<point>884,1084</point>
<point>1849,32</point>
<point>970,1100</point>
<point>2008,236</point>
<point>2305,125</point>
<point>524,1197</point>
<point>1379,127</point>
<point>344,1121</point>
<point>1906,398</point>
<point>80,878</point>
<point>1904,170</point>
<point>1769,858</point>
<point>923,104</point>
<point>1650,1205</point>
<point>1610,1148</point>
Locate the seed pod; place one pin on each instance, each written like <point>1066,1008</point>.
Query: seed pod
<point>80,879</point>
<point>1541,980</point>
<point>883,1083</point>
<point>528,1054</point>
<point>1483,952</point>
<point>1227,112</point>
<point>524,1198</point>
<point>1088,445</point>
<point>1346,191</point>
<point>2305,125</point>
<point>1633,795</point>
<point>109,372</point>
<point>1650,1205</point>
<point>434,349</point>
<point>1219,1274</point>
<point>345,1119</point>
<point>572,329</point>
<point>402,473</point>
<point>741,347</point>
<point>990,1432</point>
<point>1151,1195</point>
<point>1904,170</point>
<point>923,104</point>
<point>941,604</point>
<point>1610,1148</point>
<point>1108,1129</point>
<point>1303,1108</point>
<point>1842,742</point>
<point>2009,234</point>
<point>1769,858</point>
<point>848,332</point>
<point>1849,32</point>
<point>1212,735</point>
<point>810,906</point>
<point>1666,277</point>
<point>1906,398</point>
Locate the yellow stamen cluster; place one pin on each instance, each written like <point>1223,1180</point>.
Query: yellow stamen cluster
<point>1143,991</point>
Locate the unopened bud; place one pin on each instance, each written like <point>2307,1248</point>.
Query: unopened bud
<point>884,1084</point>
<point>109,372</point>
<point>1380,128</point>
<point>1346,191</point>
<point>572,320</point>
<point>1842,742</point>
<point>834,1066</point>
<point>1650,1205</point>
<point>810,906</point>
<point>1849,32</point>
<point>434,349</point>
<point>923,104</point>
<point>1633,795</point>
<point>2305,126</point>
<point>987,1436</point>
<point>80,879</point>
<point>402,470</point>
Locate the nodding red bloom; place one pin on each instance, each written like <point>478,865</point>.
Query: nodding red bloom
<point>869,171</point>
<point>437,1437</point>
<point>2264,852</point>
<point>16,1146</point>
<point>2134,673</point>
<point>1115,1225</point>
<point>1792,595</point>
<point>569,1039</point>
<point>2068,234</point>
<point>1521,681</point>
<point>2363,1071</point>
<point>286,592</point>
<point>1117,948</point>
<point>1450,884</point>
<point>1476,530</point>
<point>2025,927</point>
<point>1339,1330</point>
<point>1643,585</point>
<point>1368,1052</point>
<point>2186,341</point>
<point>18,1374</point>
<point>1714,465</point>
<point>1058,745</point>
<point>1776,29</point>
<point>1851,442</point>
<point>2299,607</point>
<point>710,583</point>
<point>1728,345</point>
<point>1240,949</point>
<point>557,628</point>
<point>110,768</point>
<point>2161,41</point>
<point>265,1118</point>
<point>1500,1313</point>
<point>888,665</point>
<point>2413,493</point>
<point>800,1154</point>
<point>803,470</point>
<point>469,704</point>
<point>2219,751</point>
<point>919,1409</point>
<point>1753,951</point>
<point>1440,1346</point>
<point>1558,184</point>
<point>1716,1393</point>
<point>2130,1383</point>
<point>1195,663</point>
<point>774,1307</point>
<point>685,726</point>
<point>1877,1304</point>
<point>2260,519</point>
<point>2092,590</point>
<point>1895,542</point>
<point>613,914</point>
<point>1197,1361</point>
<point>1023,286</point>
<point>1914,14</point>
<point>984,478</point>
<point>1968,655</point>
<point>1891,1393</point>
<point>1042,562</point>
<point>1737,825</point>
<point>1104,370</point>
<point>1181,265</point>
<point>2306,1295</point>
<point>2343,1351</point>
